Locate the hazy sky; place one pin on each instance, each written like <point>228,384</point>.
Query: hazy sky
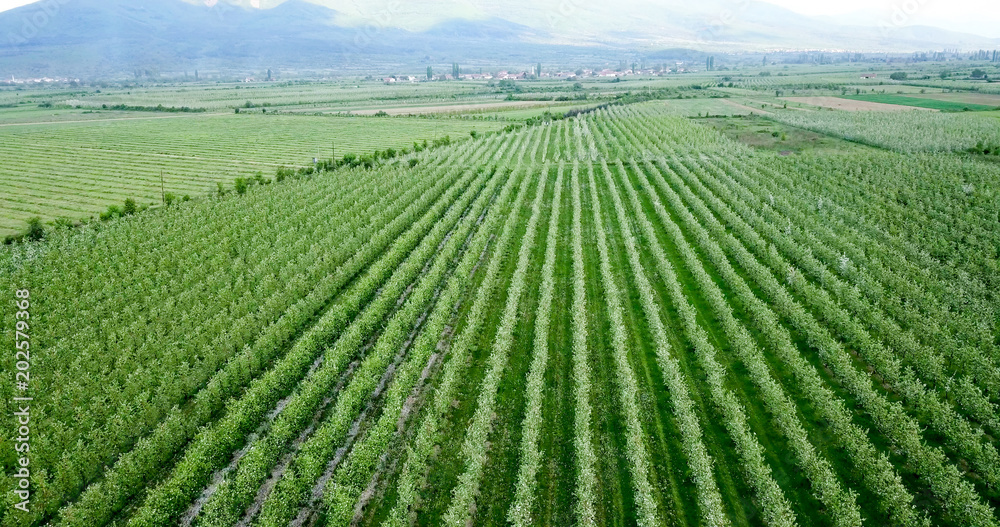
<point>973,16</point>
<point>811,7</point>
<point>11,4</point>
<point>981,17</point>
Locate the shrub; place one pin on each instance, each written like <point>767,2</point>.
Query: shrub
<point>130,207</point>
<point>898,76</point>
<point>241,185</point>
<point>283,173</point>
<point>413,162</point>
<point>36,231</point>
<point>113,211</point>
<point>169,198</point>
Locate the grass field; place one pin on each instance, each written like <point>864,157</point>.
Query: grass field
<point>915,100</point>
<point>27,114</point>
<point>296,96</point>
<point>623,318</point>
<point>766,134</point>
<point>705,107</point>
<point>917,130</point>
<point>71,155</point>
<point>227,96</point>
<point>78,169</point>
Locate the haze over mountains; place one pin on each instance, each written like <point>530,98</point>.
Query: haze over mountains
<point>108,37</point>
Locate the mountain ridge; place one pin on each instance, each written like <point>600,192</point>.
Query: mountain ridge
<point>88,38</point>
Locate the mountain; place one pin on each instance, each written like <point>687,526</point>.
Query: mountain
<point>709,24</point>
<point>89,38</point>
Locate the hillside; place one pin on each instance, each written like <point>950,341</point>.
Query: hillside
<point>88,38</point>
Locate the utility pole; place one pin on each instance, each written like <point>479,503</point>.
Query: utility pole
<point>163,193</point>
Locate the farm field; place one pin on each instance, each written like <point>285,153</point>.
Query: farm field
<point>227,96</point>
<point>456,108</point>
<point>712,106</point>
<point>557,108</point>
<point>897,89</point>
<point>763,133</point>
<point>25,115</point>
<point>965,85</point>
<point>916,130</point>
<point>942,104</point>
<point>295,96</point>
<point>850,104</point>
<point>984,99</point>
<point>76,170</point>
<point>626,317</point>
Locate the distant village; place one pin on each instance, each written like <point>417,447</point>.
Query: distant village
<point>39,80</point>
<point>624,69</point>
<point>525,75</point>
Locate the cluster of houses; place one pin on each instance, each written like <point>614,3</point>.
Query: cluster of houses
<point>39,80</point>
<point>509,75</point>
<point>503,75</point>
<point>400,79</point>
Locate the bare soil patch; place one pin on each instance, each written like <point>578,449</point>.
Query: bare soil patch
<point>854,106</point>
<point>987,99</point>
